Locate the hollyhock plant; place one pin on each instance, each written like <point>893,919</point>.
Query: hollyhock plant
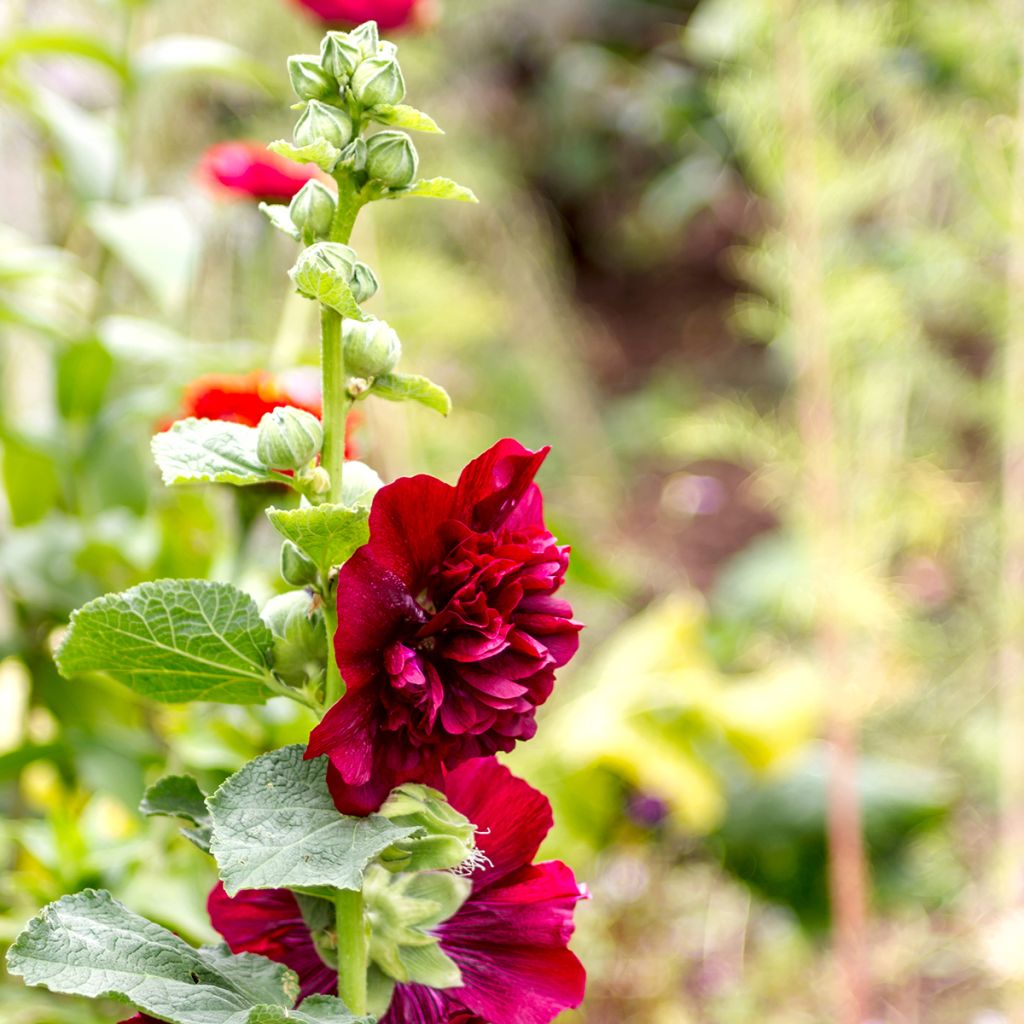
<point>510,938</point>
<point>246,170</point>
<point>389,14</point>
<point>450,629</point>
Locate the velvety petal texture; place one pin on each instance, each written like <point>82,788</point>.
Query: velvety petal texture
<point>510,938</point>
<point>389,14</point>
<point>449,630</point>
<point>248,170</point>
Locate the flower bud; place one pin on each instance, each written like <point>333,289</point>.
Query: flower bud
<point>332,258</point>
<point>391,157</point>
<point>339,55</point>
<point>370,347</point>
<point>312,210</point>
<point>447,839</point>
<point>378,80</point>
<point>354,154</point>
<point>319,121</point>
<point>296,567</point>
<point>309,80</point>
<point>300,637</point>
<point>364,283</point>
<point>366,37</point>
<point>288,438</point>
<point>319,480</point>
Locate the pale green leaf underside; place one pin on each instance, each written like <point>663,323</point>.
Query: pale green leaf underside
<point>436,188</point>
<point>328,534</point>
<point>275,826</point>
<point>91,945</point>
<point>174,641</point>
<point>278,215</point>
<point>401,115</point>
<point>322,153</point>
<point>179,796</point>
<point>410,387</point>
<point>209,451</point>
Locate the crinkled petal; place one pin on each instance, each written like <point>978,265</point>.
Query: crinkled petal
<point>493,485</point>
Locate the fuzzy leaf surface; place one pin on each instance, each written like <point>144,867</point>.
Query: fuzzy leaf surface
<point>90,945</point>
<point>329,534</point>
<point>322,153</point>
<point>179,796</point>
<point>401,115</point>
<point>436,188</point>
<point>173,641</point>
<point>323,284</point>
<point>410,387</point>
<point>275,826</point>
<point>209,451</point>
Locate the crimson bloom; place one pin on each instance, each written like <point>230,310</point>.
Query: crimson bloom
<point>449,628</point>
<point>389,14</point>
<point>249,170</point>
<point>510,938</point>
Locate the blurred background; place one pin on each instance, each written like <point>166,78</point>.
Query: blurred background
<point>755,270</point>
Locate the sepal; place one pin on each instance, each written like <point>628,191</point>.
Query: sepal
<point>300,637</point>
<point>309,80</point>
<point>378,80</point>
<point>321,123</point>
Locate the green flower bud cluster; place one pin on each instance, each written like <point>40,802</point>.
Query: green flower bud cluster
<point>355,78</point>
<point>329,261</point>
<point>445,838</point>
<point>300,636</point>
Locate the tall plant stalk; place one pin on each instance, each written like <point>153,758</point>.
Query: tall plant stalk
<point>822,513</point>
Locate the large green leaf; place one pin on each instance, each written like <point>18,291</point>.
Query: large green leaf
<point>275,826</point>
<point>410,387</point>
<point>179,796</point>
<point>174,641</point>
<point>91,945</point>
<point>209,451</point>
<point>328,534</point>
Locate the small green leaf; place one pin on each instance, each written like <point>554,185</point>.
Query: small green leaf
<point>278,215</point>
<point>91,945</point>
<point>275,826</point>
<point>174,641</point>
<point>322,153</point>
<point>179,796</point>
<point>409,387</point>
<point>317,279</point>
<point>435,188</point>
<point>400,115</point>
<point>209,451</point>
<point>328,534</point>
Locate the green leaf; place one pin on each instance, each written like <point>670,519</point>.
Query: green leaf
<point>209,451</point>
<point>435,188</point>
<point>174,641</point>
<point>328,534</point>
<point>278,215</point>
<point>400,115</point>
<point>179,796</point>
<point>409,387</point>
<point>314,1010</point>
<point>91,945</point>
<point>275,826</point>
<point>194,56</point>
<point>156,239</point>
<point>318,280</point>
<point>31,477</point>
<point>322,153</point>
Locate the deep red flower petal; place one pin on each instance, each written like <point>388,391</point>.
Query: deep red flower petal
<point>493,484</point>
<point>389,14</point>
<point>251,171</point>
<point>512,818</point>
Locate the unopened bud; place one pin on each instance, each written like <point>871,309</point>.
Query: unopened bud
<point>378,80</point>
<point>296,567</point>
<point>300,637</point>
<point>364,283</point>
<point>319,121</point>
<point>331,259</point>
<point>446,839</point>
<point>339,55</point>
<point>312,210</point>
<point>366,37</point>
<point>309,80</point>
<point>288,438</point>
<point>370,347</point>
<point>391,157</point>
<point>318,480</point>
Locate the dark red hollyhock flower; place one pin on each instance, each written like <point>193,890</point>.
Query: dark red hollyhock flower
<point>389,14</point>
<point>449,628</point>
<point>510,938</point>
<point>250,170</point>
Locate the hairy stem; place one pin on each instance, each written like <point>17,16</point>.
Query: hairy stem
<point>352,949</point>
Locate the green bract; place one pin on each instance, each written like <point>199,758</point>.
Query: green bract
<point>364,283</point>
<point>275,826</point>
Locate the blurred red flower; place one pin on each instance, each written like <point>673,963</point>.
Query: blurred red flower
<point>510,938</point>
<point>449,628</point>
<point>389,14</point>
<point>250,170</point>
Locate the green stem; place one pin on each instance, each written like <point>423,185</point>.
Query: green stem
<point>352,949</point>
<point>336,400</point>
